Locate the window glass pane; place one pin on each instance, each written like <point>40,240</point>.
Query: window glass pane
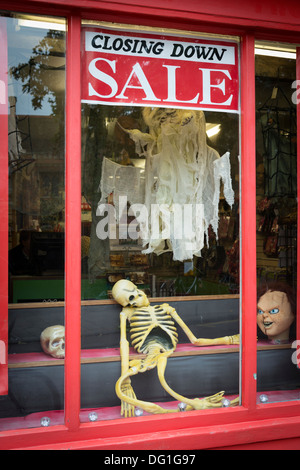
<point>160,209</point>
<point>172,268</point>
<point>36,105</point>
<point>276,154</point>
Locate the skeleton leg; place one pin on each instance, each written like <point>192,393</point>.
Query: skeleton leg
<point>125,392</point>
<point>214,401</point>
<point>129,401</point>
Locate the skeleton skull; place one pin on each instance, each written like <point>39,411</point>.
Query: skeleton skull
<point>128,295</point>
<point>53,341</point>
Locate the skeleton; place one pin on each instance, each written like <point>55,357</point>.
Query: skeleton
<point>153,333</point>
<point>53,341</point>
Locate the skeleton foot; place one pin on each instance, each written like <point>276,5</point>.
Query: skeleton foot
<point>235,402</point>
<point>127,409</point>
<point>214,401</point>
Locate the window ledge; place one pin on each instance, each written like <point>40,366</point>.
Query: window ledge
<point>40,359</point>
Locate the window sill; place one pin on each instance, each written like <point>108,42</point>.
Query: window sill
<point>40,359</point>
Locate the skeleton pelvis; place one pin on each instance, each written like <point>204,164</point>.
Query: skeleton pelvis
<point>154,348</point>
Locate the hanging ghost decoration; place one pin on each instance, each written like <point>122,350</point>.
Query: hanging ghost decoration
<point>182,182</point>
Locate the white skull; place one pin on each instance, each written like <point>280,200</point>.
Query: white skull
<point>128,295</point>
<point>53,341</point>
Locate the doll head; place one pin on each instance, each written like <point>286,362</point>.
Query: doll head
<point>276,311</point>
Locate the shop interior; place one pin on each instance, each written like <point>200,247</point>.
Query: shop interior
<point>276,161</point>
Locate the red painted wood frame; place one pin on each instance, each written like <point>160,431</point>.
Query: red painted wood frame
<point>73,226</point>
<point>4,212</point>
<point>298,198</point>
<point>209,428</point>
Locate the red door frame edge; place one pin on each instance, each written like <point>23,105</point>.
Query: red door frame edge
<point>73,226</point>
<point>248,223</point>
<point>3,212</point>
<point>298,199</point>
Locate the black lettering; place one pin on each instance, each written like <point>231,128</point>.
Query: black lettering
<point>177,50</point>
<point>216,53</point>
<point>105,47</point>
<point>189,51</point>
<point>117,44</point>
<point>127,45</point>
<point>94,44</point>
<point>158,48</point>
<point>203,54</point>
<point>145,47</point>
<point>136,43</point>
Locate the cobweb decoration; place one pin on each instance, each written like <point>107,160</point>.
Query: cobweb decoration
<point>115,179</point>
<point>182,182</point>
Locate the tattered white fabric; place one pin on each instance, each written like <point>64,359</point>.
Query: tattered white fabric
<point>182,185</point>
<point>121,181</point>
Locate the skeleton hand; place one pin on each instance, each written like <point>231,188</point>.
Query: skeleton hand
<point>235,339</point>
<point>126,408</point>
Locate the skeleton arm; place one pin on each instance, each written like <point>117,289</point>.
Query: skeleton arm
<point>124,344</point>
<point>125,385</point>
<point>200,341</point>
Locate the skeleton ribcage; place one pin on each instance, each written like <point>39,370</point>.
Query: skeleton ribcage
<point>152,323</point>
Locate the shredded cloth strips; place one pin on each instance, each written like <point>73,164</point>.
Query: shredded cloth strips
<point>180,187</point>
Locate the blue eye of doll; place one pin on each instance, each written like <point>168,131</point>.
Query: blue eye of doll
<point>274,310</point>
<point>260,312</point>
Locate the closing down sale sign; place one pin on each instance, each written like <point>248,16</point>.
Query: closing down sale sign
<point>142,69</point>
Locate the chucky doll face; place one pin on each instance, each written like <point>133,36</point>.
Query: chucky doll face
<point>274,315</point>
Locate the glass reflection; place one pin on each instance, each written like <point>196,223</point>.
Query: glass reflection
<point>107,143</point>
<point>35,68</point>
<point>126,149</point>
<point>276,166</point>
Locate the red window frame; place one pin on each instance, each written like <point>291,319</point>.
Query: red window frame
<point>3,229</point>
<point>247,423</point>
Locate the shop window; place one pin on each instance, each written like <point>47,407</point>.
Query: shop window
<point>160,134</point>
<point>119,141</point>
<point>34,48</point>
<point>159,210</point>
<point>276,160</point>
<point>36,88</point>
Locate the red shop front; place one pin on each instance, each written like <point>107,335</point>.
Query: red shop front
<point>169,160</point>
